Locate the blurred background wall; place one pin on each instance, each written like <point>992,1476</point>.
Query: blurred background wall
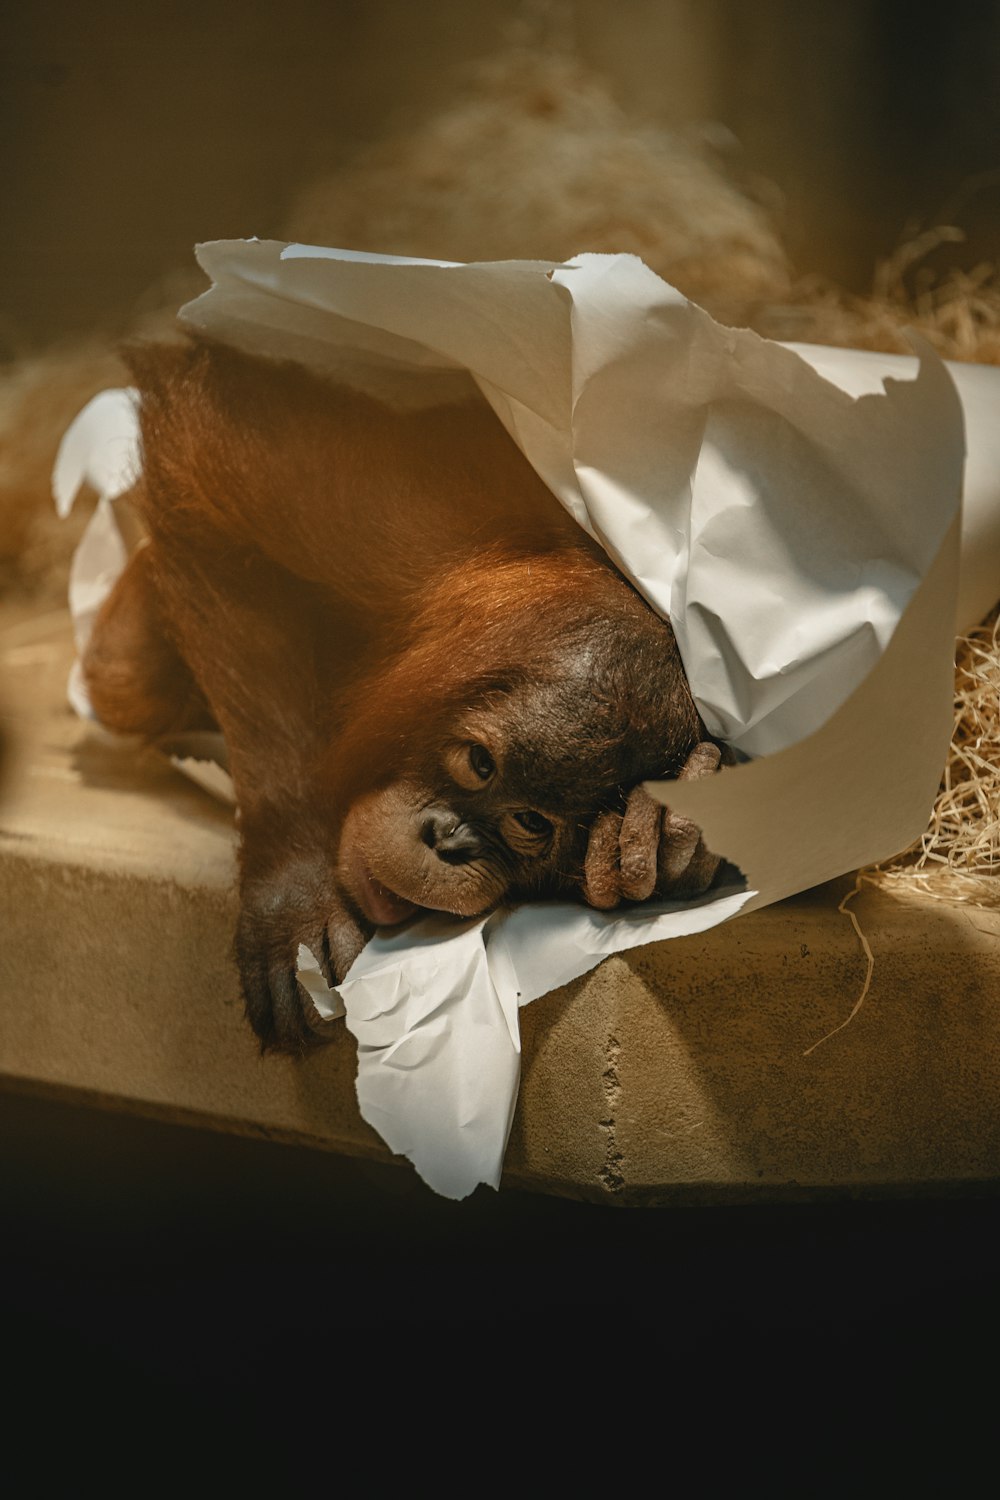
<point>129,132</point>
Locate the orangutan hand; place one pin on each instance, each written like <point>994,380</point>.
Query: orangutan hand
<point>647,850</point>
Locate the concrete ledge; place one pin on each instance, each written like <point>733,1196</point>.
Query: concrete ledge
<point>674,1072</point>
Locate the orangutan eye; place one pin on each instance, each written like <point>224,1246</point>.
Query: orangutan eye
<point>482,762</point>
<point>533,822</point>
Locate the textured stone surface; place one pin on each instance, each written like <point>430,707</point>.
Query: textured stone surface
<point>675,1071</point>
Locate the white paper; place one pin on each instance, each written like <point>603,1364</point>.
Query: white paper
<point>787,528</point>
<point>328,1002</point>
<point>860,372</point>
<point>434,1010</point>
<point>684,447</point>
<point>101,451</point>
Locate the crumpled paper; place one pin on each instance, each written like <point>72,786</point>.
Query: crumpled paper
<point>101,451</point>
<point>802,537</point>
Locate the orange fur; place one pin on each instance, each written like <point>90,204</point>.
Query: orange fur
<point>363,597</point>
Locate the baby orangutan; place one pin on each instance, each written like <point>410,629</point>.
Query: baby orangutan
<point>435,690</point>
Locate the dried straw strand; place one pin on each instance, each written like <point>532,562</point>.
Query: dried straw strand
<point>957,858</point>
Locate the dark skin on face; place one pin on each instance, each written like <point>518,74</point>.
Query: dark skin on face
<point>436,692</point>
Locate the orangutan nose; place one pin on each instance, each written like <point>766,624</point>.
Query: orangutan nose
<point>453,841</point>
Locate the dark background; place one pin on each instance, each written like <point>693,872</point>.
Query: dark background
<point>152,1269</point>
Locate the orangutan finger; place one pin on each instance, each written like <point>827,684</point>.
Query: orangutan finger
<point>678,842</point>
<point>703,760</point>
<point>638,845</point>
<point>699,874</point>
<point>601,875</point>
